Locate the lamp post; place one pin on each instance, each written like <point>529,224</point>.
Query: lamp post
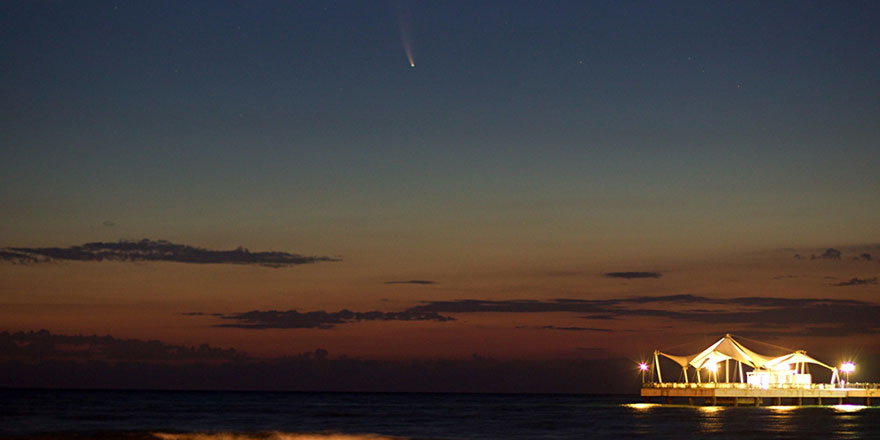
<point>644,367</point>
<point>848,367</point>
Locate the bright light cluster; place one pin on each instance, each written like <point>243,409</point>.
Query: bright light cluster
<point>848,367</point>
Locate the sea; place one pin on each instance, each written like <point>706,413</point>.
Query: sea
<point>220,415</point>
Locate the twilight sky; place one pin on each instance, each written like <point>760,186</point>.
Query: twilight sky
<point>561,180</point>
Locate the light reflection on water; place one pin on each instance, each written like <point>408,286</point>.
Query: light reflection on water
<point>112,415</point>
<point>642,424</point>
<point>848,425</point>
<point>781,421</point>
<point>849,408</point>
<point>710,419</point>
<point>781,418</point>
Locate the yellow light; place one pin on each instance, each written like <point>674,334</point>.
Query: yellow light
<point>712,367</point>
<point>848,367</point>
<point>849,408</point>
<point>643,366</point>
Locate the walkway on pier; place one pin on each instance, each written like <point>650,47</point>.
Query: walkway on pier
<point>744,394</point>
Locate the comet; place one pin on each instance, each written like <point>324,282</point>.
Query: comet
<point>403,20</point>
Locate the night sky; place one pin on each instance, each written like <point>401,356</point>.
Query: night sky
<point>558,184</point>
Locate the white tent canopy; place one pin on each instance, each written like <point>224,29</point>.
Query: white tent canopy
<point>684,361</point>
<point>728,348</point>
<point>797,357</point>
<point>710,359</point>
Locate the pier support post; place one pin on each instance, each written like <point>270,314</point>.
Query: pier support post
<point>690,400</point>
<point>840,400</point>
<point>868,401</point>
<point>777,401</point>
<point>647,399</point>
<point>736,401</point>
<point>668,400</point>
<point>819,401</point>
<point>714,401</point>
<point>759,401</point>
<point>800,401</point>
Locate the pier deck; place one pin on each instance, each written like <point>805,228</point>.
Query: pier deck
<point>743,394</point>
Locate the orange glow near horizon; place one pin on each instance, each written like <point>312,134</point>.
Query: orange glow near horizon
<point>148,301</point>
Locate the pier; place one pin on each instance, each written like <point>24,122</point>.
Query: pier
<point>782,379</point>
<point>741,394</point>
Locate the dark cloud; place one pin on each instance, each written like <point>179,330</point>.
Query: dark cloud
<point>857,282</point>
<point>632,275</point>
<point>873,248</point>
<point>20,258</point>
<point>597,317</point>
<point>43,345</point>
<point>682,298</point>
<point>598,308</point>
<point>829,254</point>
<point>769,312</point>
<point>839,316</point>
<point>864,252</point>
<point>798,313</point>
<point>769,301</point>
<point>156,250</point>
<point>321,319</point>
<point>423,282</point>
<point>516,306</point>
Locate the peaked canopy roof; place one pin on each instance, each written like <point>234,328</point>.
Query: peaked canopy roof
<point>793,358</point>
<point>729,348</point>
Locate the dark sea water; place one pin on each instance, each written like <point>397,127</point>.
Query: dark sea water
<point>194,415</point>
